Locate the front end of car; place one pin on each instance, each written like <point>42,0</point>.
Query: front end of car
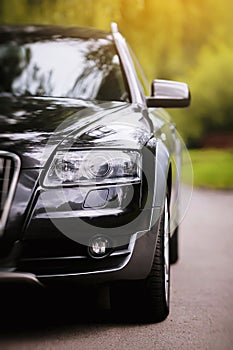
<point>87,213</point>
<point>86,175</point>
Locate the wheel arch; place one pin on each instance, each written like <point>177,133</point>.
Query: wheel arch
<point>169,182</point>
<point>163,175</point>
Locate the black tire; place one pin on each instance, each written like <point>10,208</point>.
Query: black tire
<point>174,247</point>
<point>147,300</point>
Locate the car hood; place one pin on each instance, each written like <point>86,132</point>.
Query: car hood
<point>33,127</point>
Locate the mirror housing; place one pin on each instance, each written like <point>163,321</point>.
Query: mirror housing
<point>169,94</point>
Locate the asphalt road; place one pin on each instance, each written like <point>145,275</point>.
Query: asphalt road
<point>201,314</point>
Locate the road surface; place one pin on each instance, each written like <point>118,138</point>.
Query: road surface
<point>201,314</point>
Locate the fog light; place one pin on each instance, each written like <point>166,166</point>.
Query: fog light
<point>99,247</point>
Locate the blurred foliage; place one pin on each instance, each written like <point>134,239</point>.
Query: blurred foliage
<point>212,168</point>
<point>174,39</point>
<point>211,83</point>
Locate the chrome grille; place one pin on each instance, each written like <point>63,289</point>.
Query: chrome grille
<point>9,172</point>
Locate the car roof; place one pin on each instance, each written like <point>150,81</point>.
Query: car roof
<point>46,32</point>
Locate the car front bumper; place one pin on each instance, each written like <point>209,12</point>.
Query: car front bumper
<point>129,262</point>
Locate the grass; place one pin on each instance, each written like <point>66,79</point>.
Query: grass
<point>212,168</point>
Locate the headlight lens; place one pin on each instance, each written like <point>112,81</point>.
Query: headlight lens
<point>93,167</point>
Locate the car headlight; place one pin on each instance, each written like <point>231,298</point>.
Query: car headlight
<point>75,167</point>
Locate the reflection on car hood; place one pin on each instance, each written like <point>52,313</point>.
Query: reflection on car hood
<point>33,127</point>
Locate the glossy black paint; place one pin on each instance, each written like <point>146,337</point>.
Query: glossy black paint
<point>36,239</point>
<point>29,123</point>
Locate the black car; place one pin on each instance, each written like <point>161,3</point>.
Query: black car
<point>89,166</point>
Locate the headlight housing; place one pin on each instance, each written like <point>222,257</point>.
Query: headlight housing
<point>91,167</point>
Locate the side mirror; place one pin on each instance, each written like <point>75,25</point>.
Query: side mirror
<point>169,94</point>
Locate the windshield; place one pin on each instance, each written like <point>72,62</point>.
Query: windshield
<point>63,67</point>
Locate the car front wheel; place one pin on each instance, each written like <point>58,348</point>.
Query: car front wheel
<point>148,300</point>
